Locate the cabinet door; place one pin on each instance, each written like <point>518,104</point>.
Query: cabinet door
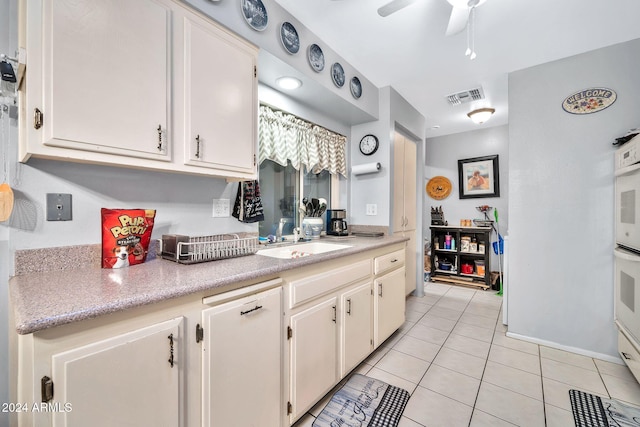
<point>220,98</point>
<point>242,362</point>
<point>356,318</point>
<point>404,183</point>
<point>411,257</point>
<point>409,179</point>
<point>106,76</point>
<point>127,380</point>
<point>398,183</point>
<point>389,302</point>
<point>313,354</point>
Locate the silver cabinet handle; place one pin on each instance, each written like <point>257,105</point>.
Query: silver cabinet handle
<point>626,356</point>
<point>159,137</point>
<point>257,307</point>
<point>198,146</point>
<point>171,360</point>
<point>380,289</point>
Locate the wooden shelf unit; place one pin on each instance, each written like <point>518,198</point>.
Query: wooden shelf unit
<point>458,257</point>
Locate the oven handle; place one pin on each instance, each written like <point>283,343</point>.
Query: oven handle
<point>625,255</point>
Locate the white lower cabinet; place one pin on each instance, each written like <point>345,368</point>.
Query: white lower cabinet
<point>131,379</point>
<point>261,354</point>
<point>389,304</point>
<point>355,319</point>
<point>241,362</point>
<point>338,312</point>
<point>314,356</point>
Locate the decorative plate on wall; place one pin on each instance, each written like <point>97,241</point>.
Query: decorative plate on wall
<point>589,101</point>
<point>356,87</point>
<point>289,38</point>
<point>316,57</point>
<point>255,14</point>
<point>337,74</point>
<point>439,187</point>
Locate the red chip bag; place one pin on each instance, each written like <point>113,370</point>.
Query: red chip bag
<point>125,236</point>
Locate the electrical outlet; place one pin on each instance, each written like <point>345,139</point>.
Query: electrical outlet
<point>58,207</point>
<point>372,209</point>
<point>221,208</point>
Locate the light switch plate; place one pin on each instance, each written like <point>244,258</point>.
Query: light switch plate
<point>58,207</point>
<point>221,208</point>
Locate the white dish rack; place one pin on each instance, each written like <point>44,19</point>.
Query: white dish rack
<point>195,249</point>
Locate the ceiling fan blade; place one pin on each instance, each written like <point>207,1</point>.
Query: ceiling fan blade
<point>457,21</point>
<point>393,7</point>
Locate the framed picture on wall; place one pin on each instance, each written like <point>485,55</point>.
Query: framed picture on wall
<point>479,177</point>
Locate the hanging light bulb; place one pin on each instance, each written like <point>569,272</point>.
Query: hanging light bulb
<point>472,25</point>
<point>468,51</point>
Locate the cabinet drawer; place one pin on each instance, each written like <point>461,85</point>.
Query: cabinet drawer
<point>630,354</point>
<point>389,261</point>
<point>303,290</point>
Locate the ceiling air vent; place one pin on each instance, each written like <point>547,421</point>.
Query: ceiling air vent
<point>465,96</point>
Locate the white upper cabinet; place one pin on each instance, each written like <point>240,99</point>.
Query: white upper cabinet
<point>147,84</point>
<point>99,73</point>
<point>220,106</point>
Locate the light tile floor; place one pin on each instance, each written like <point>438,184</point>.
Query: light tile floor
<point>461,369</point>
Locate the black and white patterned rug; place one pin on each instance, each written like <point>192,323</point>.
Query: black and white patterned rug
<point>364,402</point>
<point>593,411</point>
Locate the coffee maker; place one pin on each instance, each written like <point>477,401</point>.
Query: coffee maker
<point>336,222</point>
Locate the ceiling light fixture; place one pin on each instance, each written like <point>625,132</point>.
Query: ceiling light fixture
<point>481,115</point>
<point>289,83</point>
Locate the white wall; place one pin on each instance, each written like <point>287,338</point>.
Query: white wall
<point>395,114</point>
<point>561,198</point>
<point>442,155</point>
<point>228,13</point>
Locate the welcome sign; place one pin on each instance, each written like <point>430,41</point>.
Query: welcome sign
<point>589,101</point>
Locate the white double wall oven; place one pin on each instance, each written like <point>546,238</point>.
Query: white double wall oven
<point>627,253</point>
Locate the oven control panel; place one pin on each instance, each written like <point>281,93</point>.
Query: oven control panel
<point>629,153</point>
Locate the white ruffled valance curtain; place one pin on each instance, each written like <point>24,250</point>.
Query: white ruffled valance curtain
<point>283,137</point>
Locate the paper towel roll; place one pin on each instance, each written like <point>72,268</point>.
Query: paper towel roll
<point>366,168</point>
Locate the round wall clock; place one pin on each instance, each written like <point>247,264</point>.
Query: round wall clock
<point>439,187</point>
<point>369,144</point>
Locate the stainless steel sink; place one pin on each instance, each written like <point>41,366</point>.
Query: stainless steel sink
<point>300,250</point>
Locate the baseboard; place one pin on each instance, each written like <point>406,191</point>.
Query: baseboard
<point>580,351</point>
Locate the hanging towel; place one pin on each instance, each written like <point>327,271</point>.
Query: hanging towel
<point>248,206</point>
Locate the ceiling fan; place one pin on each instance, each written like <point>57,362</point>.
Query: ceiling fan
<point>460,12</point>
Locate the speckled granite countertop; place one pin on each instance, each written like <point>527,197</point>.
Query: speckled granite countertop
<point>46,300</point>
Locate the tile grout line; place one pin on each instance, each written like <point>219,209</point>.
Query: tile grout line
<point>486,361</point>
<point>436,355</point>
